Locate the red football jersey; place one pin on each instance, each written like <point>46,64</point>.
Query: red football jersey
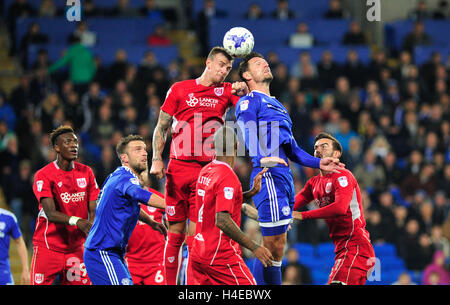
<point>218,190</point>
<point>197,111</point>
<point>71,191</point>
<point>339,200</point>
<point>147,245</point>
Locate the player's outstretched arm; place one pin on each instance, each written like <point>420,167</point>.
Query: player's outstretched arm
<point>225,223</point>
<point>156,201</point>
<point>55,216</point>
<point>250,211</point>
<point>159,141</point>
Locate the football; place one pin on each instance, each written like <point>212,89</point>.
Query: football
<point>238,41</point>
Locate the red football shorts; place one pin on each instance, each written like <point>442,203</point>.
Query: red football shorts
<point>146,274</point>
<point>352,265</point>
<point>180,190</point>
<point>46,265</point>
<point>234,274</point>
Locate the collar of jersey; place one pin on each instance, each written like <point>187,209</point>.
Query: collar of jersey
<point>263,93</point>
<point>129,170</point>
<point>215,161</point>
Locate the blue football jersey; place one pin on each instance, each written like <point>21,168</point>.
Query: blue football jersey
<point>8,228</point>
<point>117,211</point>
<point>266,127</point>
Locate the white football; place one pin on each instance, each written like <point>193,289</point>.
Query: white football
<point>238,41</point>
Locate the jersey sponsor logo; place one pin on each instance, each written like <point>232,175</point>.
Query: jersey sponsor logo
<point>81,182</point>
<point>328,187</point>
<point>202,101</point>
<point>39,185</point>
<point>228,192</point>
<point>75,197</point>
<point>39,278</point>
<point>170,210</point>
<point>343,181</point>
<point>218,91</point>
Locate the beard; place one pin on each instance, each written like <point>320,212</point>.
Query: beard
<point>138,167</point>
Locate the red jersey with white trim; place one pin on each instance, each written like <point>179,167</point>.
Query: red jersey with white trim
<point>145,244</point>
<point>197,111</point>
<point>71,191</point>
<point>338,198</point>
<point>218,190</point>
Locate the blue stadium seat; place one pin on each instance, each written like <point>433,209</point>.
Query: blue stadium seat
<point>384,249</point>
<point>391,263</point>
<point>325,249</point>
<point>320,277</point>
<point>304,249</point>
<point>422,53</point>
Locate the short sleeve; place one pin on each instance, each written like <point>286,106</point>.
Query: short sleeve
<point>41,186</point>
<point>226,193</point>
<point>15,230</point>
<point>170,104</point>
<point>131,187</point>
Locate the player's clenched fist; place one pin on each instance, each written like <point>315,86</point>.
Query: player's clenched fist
<point>157,169</point>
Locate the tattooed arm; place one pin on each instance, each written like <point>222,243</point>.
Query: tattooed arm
<point>225,223</point>
<point>159,141</point>
<point>250,211</point>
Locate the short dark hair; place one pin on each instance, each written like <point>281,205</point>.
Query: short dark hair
<point>59,131</point>
<point>336,145</point>
<point>243,66</point>
<point>225,141</point>
<point>123,142</point>
<point>220,50</point>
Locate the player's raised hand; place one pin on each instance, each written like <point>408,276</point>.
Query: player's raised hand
<point>84,225</point>
<point>257,181</point>
<point>272,161</point>
<point>157,169</point>
<point>264,255</point>
<point>330,164</point>
<point>239,88</point>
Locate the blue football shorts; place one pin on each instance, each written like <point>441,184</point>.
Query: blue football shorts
<point>107,267</point>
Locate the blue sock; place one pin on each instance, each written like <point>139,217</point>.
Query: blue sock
<point>266,275</point>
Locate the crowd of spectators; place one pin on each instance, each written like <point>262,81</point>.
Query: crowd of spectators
<point>392,117</point>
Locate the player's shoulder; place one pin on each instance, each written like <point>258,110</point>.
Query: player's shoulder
<point>222,171</point>
<point>7,214</point>
<point>246,101</point>
<point>184,84</point>
<point>344,176</point>
<point>47,170</point>
<point>81,167</point>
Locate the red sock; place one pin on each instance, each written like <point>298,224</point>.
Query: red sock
<point>171,254</point>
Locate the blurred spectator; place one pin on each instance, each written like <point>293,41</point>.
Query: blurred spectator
<point>17,9</point>
<point>123,9</point>
<point>202,20</point>
<point>441,12</point>
<point>420,12</point>
<point>90,9</point>
<point>369,174</point>
<point>375,227</point>
<point>283,12</point>
<point>280,81</point>
<point>32,37</point>
<point>158,37</point>
<point>436,272</point>
<point>42,61</point>
<point>335,10</point>
<point>328,70</point>
<point>47,9</point>
<point>414,248</point>
<point>424,180</point>
<point>295,273</point>
<point>354,70</point>
<point>81,65</point>
<point>118,68</point>
<point>82,34</point>
<point>302,38</point>
<point>416,37</point>
<point>254,12</point>
<point>7,113</point>
<point>354,36</point>
<point>353,156</point>
<point>345,133</point>
<point>304,60</point>
<point>151,11</point>
<point>108,163</point>
<point>404,279</point>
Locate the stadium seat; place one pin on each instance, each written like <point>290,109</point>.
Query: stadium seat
<point>325,249</point>
<point>384,249</point>
<point>304,249</point>
<point>422,53</point>
<point>391,263</point>
<point>320,277</point>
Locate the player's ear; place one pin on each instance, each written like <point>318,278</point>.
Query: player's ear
<point>336,154</point>
<point>247,76</point>
<point>124,158</point>
<point>208,63</point>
